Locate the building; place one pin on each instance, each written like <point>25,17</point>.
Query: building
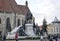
<point>54,27</point>
<point>50,28</point>
<point>12,15</point>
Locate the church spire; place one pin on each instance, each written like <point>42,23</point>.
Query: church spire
<point>26,3</point>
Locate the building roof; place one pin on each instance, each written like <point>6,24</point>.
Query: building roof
<point>56,20</point>
<point>11,6</point>
<point>24,9</point>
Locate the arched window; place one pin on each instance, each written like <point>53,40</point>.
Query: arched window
<point>8,25</point>
<point>0,20</point>
<point>22,21</point>
<point>18,22</point>
<point>0,32</point>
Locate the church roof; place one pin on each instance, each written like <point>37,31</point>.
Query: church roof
<point>24,9</point>
<point>11,6</point>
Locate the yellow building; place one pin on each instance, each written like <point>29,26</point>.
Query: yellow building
<point>50,29</point>
<point>54,27</point>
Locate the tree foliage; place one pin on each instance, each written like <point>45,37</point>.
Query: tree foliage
<point>8,25</point>
<point>44,25</point>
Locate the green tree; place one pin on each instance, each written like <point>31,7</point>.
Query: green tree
<point>8,25</point>
<point>44,25</point>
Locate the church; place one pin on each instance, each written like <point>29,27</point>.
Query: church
<point>13,15</point>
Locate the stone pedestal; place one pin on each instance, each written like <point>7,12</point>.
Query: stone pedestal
<point>29,29</point>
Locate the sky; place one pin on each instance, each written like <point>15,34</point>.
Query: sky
<point>41,9</point>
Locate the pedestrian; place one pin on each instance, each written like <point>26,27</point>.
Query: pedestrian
<point>54,40</point>
<point>41,38</point>
<point>51,39</point>
<point>3,38</point>
<point>16,36</point>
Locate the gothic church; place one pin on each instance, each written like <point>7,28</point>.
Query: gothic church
<point>12,15</point>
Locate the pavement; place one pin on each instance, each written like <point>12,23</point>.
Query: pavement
<point>24,40</point>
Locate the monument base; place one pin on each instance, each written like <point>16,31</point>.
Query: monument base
<point>29,30</point>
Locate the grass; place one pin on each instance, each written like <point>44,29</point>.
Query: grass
<point>27,38</point>
<point>10,40</point>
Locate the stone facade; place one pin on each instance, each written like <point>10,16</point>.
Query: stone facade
<point>11,16</point>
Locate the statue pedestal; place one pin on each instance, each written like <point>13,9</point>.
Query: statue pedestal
<point>29,30</point>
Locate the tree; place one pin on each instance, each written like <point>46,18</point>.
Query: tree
<point>44,25</point>
<point>37,30</point>
<point>8,25</point>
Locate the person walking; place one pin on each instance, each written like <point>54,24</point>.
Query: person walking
<point>16,36</point>
<point>3,38</point>
<point>41,38</point>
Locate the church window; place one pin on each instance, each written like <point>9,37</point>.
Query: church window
<point>0,34</point>
<point>18,22</point>
<point>54,29</point>
<point>0,20</point>
<point>8,25</point>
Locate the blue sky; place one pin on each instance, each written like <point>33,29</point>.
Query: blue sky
<point>43,9</point>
